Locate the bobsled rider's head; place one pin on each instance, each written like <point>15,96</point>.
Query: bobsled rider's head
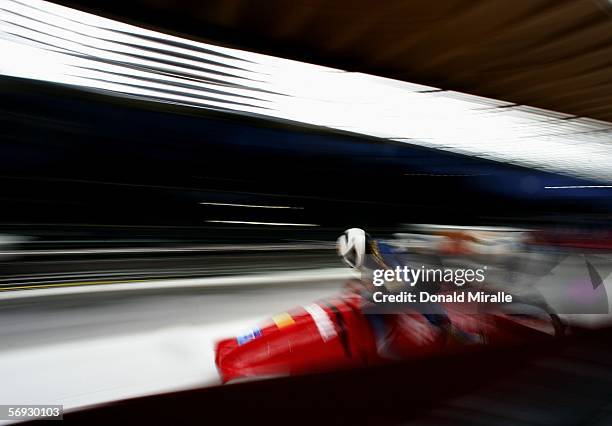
<point>351,247</point>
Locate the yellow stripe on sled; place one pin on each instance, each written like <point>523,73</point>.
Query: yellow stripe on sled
<point>283,320</point>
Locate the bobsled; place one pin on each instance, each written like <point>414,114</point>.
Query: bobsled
<point>337,333</point>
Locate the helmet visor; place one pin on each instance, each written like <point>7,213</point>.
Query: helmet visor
<point>350,258</point>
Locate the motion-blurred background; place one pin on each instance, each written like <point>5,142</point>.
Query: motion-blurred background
<point>87,167</point>
<point>170,142</point>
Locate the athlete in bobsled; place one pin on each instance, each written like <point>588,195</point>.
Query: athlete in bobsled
<point>343,332</point>
<point>360,251</point>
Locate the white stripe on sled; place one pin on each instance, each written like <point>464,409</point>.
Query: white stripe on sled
<point>324,325</point>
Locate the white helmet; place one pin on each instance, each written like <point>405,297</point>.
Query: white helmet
<point>351,246</point>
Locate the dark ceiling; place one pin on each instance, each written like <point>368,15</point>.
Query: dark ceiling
<point>554,54</point>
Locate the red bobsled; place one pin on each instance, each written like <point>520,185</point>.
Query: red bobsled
<point>336,333</point>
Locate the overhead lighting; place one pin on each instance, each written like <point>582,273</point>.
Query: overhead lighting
<point>65,46</point>
<point>578,187</point>
<point>240,222</point>
<point>254,206</point>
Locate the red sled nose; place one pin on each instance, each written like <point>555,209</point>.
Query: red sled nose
<point>335,334</point>
<point>322,336</point>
